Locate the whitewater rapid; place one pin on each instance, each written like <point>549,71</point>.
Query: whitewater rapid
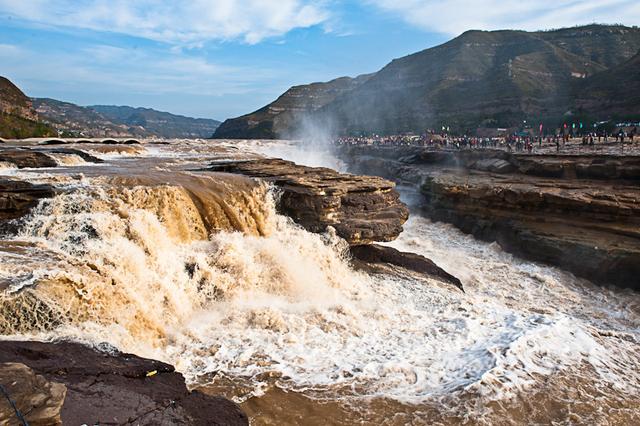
<point>242,293</point>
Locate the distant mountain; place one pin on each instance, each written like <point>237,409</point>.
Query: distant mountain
<point>479,79</point>
<point>282,115</point>
<point>18,119</point>
<point>76,120</point>
<point>101,120</point>
<point>159,123</point>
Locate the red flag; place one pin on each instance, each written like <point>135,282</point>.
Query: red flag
<point>540,128</point>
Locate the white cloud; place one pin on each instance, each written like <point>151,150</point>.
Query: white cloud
<point>456,16</point>
<point>8,50</point>
<point>177,22</point>
<point>119,70</point>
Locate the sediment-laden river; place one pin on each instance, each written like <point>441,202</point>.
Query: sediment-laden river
<point>197,269</point>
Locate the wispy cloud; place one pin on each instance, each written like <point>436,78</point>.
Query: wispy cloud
<point>118,69</point>
<point>455,16</point>
<point>177,22</point>
<point>8,49</point>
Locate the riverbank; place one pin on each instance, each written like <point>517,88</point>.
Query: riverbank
<point>217,273</point>
<point>579,212</point>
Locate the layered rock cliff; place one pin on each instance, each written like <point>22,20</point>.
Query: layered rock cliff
<point>362,209</point>
<point>578,212</point>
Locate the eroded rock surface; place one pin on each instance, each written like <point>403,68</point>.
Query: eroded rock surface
<point>38,400</point>
<point>581,213</point>
<point>374,253</point>
<point>24,158</point>
<point>108,388</point>
<point>37,158</point>
<point>362,209</point>
<point>17,197</point>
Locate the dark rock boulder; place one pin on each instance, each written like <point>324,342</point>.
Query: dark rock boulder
<point>54,141</point>
<point>37,158</point>
<point>18,197</point>
<point>374,253</point>
<point>113,388</point>
<point>362,209</point>
<point>24,158</point>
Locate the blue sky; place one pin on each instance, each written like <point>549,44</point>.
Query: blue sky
<point>222,58</point>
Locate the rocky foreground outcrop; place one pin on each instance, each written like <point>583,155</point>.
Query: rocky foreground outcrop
<point>362,209</point>
<point>68,383</point>
<point>581,213</point>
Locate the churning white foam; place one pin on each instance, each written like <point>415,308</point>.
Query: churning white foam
<point>289,307</point>
<point>5,165</point>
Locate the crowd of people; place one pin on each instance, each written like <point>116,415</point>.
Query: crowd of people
<point>516,142</point>
<point>442,141</point>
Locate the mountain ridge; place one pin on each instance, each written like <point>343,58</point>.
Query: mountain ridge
<point>112,120</point>
<point>279,116</point>
<point>478,79</point>
<point>24,117</point>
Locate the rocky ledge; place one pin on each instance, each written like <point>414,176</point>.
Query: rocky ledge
<point>18,197</point>
<point>362,209</point>
<point>68,383</point>
<point>581,213</point>
<point>376,254</point>
<point>41,157</point>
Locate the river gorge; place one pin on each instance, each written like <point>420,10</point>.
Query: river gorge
<point>242,272</point>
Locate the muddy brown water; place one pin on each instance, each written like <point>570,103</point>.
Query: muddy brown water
<point>153,255</point>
